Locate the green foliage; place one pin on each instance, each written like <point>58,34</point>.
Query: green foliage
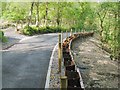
<point>1,34</point>
<point>55,16</point>
<point>108,17</point>
<point>2,37</point>
<point>28,30</point>
<point>32,30</point>
<point>14,11</point>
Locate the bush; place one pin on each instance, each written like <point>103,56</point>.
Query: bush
<point>31,30</point>
<point>2,37</point>
<point>28,31</point>
<point>1,34</point>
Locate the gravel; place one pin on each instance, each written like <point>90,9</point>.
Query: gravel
<point>54,74</point>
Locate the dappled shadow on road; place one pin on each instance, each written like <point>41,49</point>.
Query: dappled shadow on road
<point>9,43</point>
<point>25,69</point>
<point>31,43</point>
<point>98,70</point>
<point>26,63</point>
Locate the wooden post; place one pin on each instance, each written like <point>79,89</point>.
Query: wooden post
<point>71,33</point>
<point>59,53</point>
<point>16,26</point>
<point>61,36</point>
<point>64,83</point>
<point>75,31</point>
<point>61,45</point>
<point>66,33</point>
<point>79,30</point>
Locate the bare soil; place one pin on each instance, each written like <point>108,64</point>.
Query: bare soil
<point>96,67</point>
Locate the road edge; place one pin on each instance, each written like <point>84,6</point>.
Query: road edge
<point>49,68</point>
<point>9,45</point>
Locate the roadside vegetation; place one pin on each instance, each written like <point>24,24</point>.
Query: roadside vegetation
<point>49,17</point>
<point>32,30</point>
<point>2,37</point>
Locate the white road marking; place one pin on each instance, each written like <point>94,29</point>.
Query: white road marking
<point>49,68</point>
<point>26,38</point>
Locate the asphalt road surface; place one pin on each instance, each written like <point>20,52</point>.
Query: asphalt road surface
<point>25,64</point>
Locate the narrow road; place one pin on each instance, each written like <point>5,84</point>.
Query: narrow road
<point>12,36</point>
<point>25,64</point>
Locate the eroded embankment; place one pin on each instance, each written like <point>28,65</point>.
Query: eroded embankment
<point>97,69</point>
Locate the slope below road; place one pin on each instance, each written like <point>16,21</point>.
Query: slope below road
<point>97,69</point>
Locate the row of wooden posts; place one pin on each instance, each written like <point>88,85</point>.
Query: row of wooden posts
<point>60,48</point>
<point>63,79</point>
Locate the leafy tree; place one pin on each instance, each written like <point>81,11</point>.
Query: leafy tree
<point>44,17</point>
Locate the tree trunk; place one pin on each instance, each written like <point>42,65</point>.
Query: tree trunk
<point>115,51</point>
<point>37,14</point>
<point>101,31</point>
<point>46,14</point>
<point>101,24</point>
<point>58,16</point>
<point>30,14</point>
